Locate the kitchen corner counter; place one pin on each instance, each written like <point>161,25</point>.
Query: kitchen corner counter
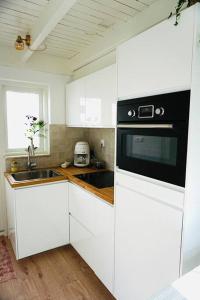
<point>106,194</point>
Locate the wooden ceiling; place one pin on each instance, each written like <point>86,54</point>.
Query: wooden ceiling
<point>85,22</point>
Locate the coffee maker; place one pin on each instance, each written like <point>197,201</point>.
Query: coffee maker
<point>81,154</point>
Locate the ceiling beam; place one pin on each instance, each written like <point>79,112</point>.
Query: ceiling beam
<point>153,14</point>
<point>48,19</point>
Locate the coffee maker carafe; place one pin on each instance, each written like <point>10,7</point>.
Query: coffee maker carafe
<point>81,154</point>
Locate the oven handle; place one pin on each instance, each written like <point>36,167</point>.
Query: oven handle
<point>145,126</point>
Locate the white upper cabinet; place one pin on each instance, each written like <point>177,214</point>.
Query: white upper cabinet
<point>75,103</point>
<point>91,100</point>
<point>100,93</point>
<point>157,60</point>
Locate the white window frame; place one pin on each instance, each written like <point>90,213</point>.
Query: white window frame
<point>43,115</point>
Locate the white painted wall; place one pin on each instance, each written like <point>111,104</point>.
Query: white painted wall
<point>40,61</point>
<point>55,83</point>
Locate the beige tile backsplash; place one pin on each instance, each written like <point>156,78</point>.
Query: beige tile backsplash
<point>62,142</point>
<point>94,137</point>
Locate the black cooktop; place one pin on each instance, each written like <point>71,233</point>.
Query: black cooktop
<point>100,180</point>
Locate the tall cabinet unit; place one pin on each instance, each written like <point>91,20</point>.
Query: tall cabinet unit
<point>157,225</point>
<point>148,231</point>
<point>91,100</point>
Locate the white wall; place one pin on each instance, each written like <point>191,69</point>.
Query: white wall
<point>55,83</point>
<point>39,61</point>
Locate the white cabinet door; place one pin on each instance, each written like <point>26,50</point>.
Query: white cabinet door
<point>42,218</point>
<point>92,232</point>
<point>147,245</point>
<point>100,98</point>
<point>82,206</point>
<point>91,100</point>
<point>75,103</point>
<point>11,220</point>
<point>82,240</point>
<point>104,243</point>
<point>158,59</point>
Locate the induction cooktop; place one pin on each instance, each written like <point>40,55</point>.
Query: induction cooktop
<point>100,180</point>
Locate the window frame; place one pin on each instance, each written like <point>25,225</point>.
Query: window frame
<point>43,115</point>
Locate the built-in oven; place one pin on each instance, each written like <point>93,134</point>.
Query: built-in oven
<point>152,136</point>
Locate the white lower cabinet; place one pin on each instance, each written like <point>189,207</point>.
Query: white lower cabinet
<point>82,240</point>
<point>147,241</point>
<point>92,232</point>
<point>37,217</point>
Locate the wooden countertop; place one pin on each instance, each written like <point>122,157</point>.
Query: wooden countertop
<point>106,194</point>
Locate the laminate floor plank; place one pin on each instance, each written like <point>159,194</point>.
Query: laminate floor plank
<point>58,274</point>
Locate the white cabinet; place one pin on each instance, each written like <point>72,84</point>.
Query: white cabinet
<point>75,93</point>
<point>100,97</point>
<point>11,220</point>
<point>147,240</point>
<point>92,232</point>
<point>157,60</point>
<point>38,217</point>
<point>91,100</point>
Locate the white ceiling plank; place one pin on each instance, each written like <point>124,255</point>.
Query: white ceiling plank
<point>18,8</point>
<point>150,16</point>
<point>65,42</point>
<point>82,24</point>
<point>14,28</point>
<point>13,19</point>
<point>38,2</point>
<point>24,5</point>
<point>15,23</point>
<point>69,37</point>
<point>118,6</point>
<point>79,11</point>
<point>49,18</point>
<point>138,5</point>
<point>97,7</point>
<point>13,12</point>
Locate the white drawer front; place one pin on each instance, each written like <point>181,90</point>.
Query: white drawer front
<point>81,206</point>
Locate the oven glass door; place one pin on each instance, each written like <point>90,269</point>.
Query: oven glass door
<point>158,153</point>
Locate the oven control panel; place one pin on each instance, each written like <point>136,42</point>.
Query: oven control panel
<point>147,111</point>
<point>158,108</point>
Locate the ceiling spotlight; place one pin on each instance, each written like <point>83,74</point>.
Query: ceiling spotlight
<point>21,42</point>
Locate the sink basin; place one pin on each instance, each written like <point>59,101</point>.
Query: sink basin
<point>36,174</point>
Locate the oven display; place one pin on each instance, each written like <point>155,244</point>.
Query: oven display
<point>146,111</point>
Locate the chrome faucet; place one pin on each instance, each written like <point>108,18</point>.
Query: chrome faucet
<point>31,153</point>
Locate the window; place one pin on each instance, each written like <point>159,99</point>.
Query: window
<point>20,102</point>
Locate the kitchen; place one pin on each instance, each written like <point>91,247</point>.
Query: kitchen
<point>99,148</point>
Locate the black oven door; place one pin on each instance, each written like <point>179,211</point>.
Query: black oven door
<point>157,151</point>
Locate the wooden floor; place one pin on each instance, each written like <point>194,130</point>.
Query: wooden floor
<point>59,274</point>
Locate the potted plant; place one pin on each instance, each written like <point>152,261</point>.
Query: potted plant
<point>179,6</point>
<point>34,128</point>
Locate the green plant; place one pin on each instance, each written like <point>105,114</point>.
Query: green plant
<point>33,127</point>
<point>179,6</point>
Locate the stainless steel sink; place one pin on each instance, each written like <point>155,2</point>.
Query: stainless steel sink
<point>36,174</point>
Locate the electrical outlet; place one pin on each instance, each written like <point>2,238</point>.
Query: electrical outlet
<point>102,143</point>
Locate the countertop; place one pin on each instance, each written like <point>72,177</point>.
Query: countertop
<point>186,287</point>
<point>106,194</point>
